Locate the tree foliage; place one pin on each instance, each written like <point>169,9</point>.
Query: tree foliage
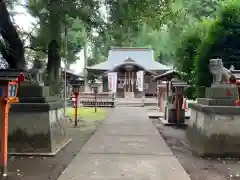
<point>79,16</point>
<point>56,17</point>
<point>222,41</point>
<point>153,24</point>
<point>186,52</point>
<point>185,33</point>
<point>13,51</point>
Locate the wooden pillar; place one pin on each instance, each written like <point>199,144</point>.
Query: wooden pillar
<point>132,80</point>
<point>129,82</point>
<point>129,87</point>
<point>125,82</point>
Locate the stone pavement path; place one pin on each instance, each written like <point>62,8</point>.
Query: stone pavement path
<point>125,147</point>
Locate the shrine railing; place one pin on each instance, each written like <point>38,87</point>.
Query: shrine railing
<point>103,99</point>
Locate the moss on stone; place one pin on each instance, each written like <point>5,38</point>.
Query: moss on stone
<point>215,145</point>
<point>21,141</point>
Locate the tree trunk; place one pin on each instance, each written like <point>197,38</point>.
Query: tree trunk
<point>54,59</point>
<point>14,54</point>
<point>52,67</point>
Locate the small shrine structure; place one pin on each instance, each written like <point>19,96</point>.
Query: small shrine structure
<point>170,90</point>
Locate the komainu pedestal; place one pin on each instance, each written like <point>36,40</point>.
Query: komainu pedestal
<point>37,124</point>
<point>214,131</point>
<point>214,125</point>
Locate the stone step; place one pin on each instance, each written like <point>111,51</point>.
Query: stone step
<point>129,104</point>
<point>150,104</point>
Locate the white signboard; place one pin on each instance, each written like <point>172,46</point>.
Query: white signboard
<point>112,81</point>
<point>139,82</point>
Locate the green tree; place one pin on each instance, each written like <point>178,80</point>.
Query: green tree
<point>127,17</point>
<point>222,41</point>
<point>182,17</point>
<point>13,51</point>
<point>201,8</point>
<point>186,52</point>
<point>80,17</point>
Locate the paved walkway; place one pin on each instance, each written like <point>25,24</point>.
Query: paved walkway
<point>125,147</point>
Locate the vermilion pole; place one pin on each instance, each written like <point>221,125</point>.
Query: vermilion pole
<point>76,107</point>
<point>5,100</point>
<point>178,109</point>
<point>4,142</point>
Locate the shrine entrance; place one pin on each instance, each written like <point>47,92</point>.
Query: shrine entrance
<point>129,84</point>
<point>126,84</point>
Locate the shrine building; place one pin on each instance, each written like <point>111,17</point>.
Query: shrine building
<point>126,62</point>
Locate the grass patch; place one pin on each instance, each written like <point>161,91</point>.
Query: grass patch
<point>87,113</point>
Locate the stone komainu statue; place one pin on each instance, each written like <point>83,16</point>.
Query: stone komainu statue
<point>37,72</point>
<point>220,73</point>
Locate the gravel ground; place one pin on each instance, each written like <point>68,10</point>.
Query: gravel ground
<point>49,168</point>
<point>198,168</point>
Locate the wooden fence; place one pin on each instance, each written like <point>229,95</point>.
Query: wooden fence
<point>103,99</point>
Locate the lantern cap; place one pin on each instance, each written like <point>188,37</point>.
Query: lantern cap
<point>10,74</point>
<point>178,83</point>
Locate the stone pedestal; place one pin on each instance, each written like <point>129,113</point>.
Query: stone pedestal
<point>214,131</point>
<point>36,124</point>
<point>214,125</point>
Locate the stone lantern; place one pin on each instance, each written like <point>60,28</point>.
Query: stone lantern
<point>95,87</point>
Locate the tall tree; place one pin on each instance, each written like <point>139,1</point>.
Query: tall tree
<point>79,16</point>
<point>222,41</point>
<point>127,17</point>
<point>54,59</point>
<point>14,53</point>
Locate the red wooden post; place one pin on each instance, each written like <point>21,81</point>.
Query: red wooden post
<point>238,99</point>
<point>76,107</point>
<point>20,79</point>
<point>9,96</point>
<point>4,142</point>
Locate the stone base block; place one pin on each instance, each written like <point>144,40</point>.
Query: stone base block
<point>220,91</point>
<point>33,90</point>
<point>37,131</point>
<point>217,102</point>
<point>213,134</point>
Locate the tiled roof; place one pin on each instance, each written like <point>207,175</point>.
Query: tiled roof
<point>142,56</point>
<point>69,71</point>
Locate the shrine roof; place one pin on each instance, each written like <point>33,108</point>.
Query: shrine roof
<point>73,73</point>
<point>129,62</point>
<point>169,75</point>
<point>142,56</point>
